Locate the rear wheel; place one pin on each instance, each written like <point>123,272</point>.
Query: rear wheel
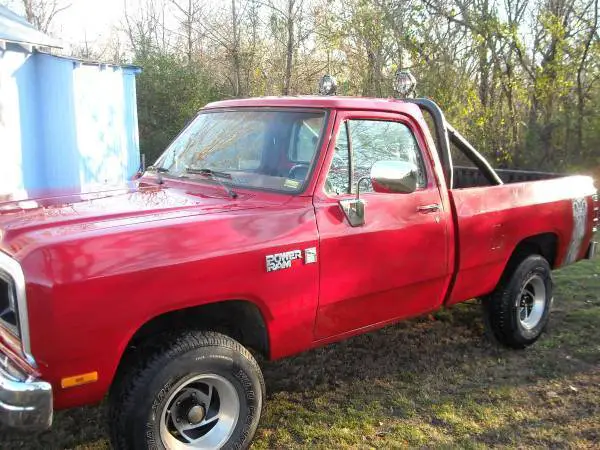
<point>517,312</point>
<point>199,390</point>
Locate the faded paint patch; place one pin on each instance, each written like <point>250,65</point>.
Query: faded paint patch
<point>580,209</point>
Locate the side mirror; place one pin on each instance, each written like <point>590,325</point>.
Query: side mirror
<point>386,176</point>
<point>394,176</point>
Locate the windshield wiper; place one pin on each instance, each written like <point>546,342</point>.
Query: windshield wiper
<point>215,176</point>
<point>157,169</point>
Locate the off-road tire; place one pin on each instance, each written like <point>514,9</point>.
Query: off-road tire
<point>141,392</point>
<point>501,307</point>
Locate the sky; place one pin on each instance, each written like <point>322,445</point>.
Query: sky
<point>90,19</point>
<point>94,17</point>
<point>93,20</point>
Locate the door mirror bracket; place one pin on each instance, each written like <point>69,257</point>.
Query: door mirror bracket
<point>354,208</point>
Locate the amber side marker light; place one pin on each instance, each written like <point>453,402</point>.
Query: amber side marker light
<point>78,380</point>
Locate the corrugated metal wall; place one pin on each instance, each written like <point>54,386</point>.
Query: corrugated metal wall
<point>16,103</point>
<point>64,124</point>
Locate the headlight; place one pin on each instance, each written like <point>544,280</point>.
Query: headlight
<point>13,304</point>
<point>9,314</point>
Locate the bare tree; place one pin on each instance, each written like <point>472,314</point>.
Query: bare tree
<point>290,13</point>
<point>145,27</point>
<point>235,50</point>
<point>191,11</point>
<point>41,13</point>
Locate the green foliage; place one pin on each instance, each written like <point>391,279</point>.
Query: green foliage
<point>170,92</point>
<point>521,80</point>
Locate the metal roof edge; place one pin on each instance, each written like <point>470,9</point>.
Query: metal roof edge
<point>17,30</point>
<point>29,46</point>
<point>89,62</point>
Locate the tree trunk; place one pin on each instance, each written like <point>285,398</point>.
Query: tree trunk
<point>371,82</point>
<point>236,53</point>
<point>289,57</point>
<point>189,26</point>
<point>484,74</point>
<point>580,87</point>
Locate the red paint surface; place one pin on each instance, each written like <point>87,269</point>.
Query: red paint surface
<point>493,220</point>
<point>379,271</point>
<point>99,266</point>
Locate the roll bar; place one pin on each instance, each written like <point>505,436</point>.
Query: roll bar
<point>446,134</point>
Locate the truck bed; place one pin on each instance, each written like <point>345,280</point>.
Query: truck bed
<point>466,177</point>
<point>494,220</point>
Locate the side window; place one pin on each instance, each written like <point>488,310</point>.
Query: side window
<point>338,178</point>
<point>377,140</point>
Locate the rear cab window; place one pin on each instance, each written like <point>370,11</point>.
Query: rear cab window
<point>304,140</point>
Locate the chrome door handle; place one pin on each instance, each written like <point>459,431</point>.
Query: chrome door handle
<point>425,209</point>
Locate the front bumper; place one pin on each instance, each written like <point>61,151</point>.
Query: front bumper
<point>24,403</point>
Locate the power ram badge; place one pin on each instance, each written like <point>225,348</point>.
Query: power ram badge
<point>278,261</point>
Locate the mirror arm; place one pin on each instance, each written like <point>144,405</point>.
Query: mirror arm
<point>360,180</point>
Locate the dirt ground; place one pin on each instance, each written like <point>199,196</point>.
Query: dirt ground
<point>434,382</point>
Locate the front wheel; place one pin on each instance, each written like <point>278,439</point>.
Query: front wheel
<point>199,390</point>
<point>518,310</point>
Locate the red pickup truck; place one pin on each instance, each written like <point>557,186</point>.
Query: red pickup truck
<point>274,225</point>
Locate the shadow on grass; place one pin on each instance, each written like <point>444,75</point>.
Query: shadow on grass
<point>448,348</point>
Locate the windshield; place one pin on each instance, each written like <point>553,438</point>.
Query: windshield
<point>264,149</point>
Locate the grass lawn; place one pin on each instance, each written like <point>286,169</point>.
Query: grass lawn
<point>434,382</point>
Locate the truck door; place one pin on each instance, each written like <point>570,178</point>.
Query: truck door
<point>395,264</point>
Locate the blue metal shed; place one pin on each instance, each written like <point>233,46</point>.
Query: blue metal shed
<point>64,123</point>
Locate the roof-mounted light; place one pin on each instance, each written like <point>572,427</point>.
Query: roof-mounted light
<point>404,83</point>
<point>327,85</point>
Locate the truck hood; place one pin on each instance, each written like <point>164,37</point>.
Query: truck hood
<point>62,215</point>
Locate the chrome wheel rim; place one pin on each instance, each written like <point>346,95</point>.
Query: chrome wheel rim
<point>532,302</point>
<point>202,413</point>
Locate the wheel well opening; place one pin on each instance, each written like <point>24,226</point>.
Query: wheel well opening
<point>544,244</point>
<point>238,319</point>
